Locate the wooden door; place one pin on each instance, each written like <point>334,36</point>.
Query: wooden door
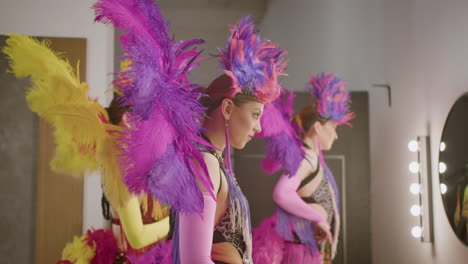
<point>59,211</point>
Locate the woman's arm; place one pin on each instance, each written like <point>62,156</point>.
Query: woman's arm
<point>138,234</point>
<point>196,231</point>
<point>285,195</point>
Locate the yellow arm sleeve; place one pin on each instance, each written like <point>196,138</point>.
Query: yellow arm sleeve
<point>138,234</point>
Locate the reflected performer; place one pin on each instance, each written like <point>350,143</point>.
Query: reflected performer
<point>306,224</point>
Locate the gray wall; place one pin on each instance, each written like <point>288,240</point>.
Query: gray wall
<point>325,35</point>
<point>205,19</point>
<point>18,161</point>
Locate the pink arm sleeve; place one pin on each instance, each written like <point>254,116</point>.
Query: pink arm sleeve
<point>196,234</point>
<point>286,196</point>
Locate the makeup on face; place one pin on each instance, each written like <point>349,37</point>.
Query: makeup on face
<point>244,123</point>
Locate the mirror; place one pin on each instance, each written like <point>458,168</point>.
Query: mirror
<point>453,167</point>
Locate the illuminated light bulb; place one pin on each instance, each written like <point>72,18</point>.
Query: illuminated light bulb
<point>415,188</point>
<point>442,146</point>
<point>443,188</point>
<point>413,146</point>
<point>415,210</point>
<point>414,167</point>
<point>442,167</point>
<point>416,231</point>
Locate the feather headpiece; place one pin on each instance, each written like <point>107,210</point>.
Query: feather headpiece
<point>332,98</point>
<point>253,64</point>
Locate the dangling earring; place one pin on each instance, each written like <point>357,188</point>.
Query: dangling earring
<point>227,153</point>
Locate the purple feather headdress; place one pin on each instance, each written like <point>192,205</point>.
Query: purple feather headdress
<point>160,148</point>
<point>283,146</point>
<point>333,103</point>
<point>331,97</point>
<point>253,64</point>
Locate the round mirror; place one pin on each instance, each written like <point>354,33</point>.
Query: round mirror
<point>453,167</point>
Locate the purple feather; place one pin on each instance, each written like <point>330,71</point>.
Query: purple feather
<point>162,186</point>
<point>283,147</point>
<point>274,121</point>
<point>253,64</point>
<point>166,112</point>
<point>145,140</point>
<point>332,97</point>
<point>288,104</point>
<point>286,151</point>
<point>157,59</point>
<point>288,225</point>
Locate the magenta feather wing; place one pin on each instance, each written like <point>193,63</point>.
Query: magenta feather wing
<point>166,114</point>
<point>283,147</point>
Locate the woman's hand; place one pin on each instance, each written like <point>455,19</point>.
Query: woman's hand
<point>322,232</point>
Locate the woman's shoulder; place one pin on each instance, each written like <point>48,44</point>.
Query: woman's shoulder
<point>311,158</point>
<point>210,159</point>
<point>213,168</point>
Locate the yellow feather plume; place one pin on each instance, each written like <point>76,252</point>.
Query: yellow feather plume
<point>68,158</point>
<point>78,252</point>
<point>116,191</point>
<point>85,139</point>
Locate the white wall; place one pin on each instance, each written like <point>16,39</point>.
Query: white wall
<point>68,18</point>
<point>425,57</point>
<point>420,48</point>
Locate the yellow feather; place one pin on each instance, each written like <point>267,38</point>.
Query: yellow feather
<point>81,124</point>
<point>69,159</point>
<point>78,252</point>
<point>28,57</point>
<point>125,65</point>
<point>114,188</point>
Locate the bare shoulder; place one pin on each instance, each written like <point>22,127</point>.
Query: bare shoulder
<point>210,160</point>
<point>312,159</point>
<point>212,165</point>
<point>308,164</point>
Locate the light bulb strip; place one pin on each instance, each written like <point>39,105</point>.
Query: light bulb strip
<point>421,169</point>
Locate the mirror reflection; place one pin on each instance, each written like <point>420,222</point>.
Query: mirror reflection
<point>453,168</point>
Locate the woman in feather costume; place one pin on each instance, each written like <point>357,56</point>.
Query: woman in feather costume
<point>305,227</point>
<point>174,151</point>
<point>86,137</point>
